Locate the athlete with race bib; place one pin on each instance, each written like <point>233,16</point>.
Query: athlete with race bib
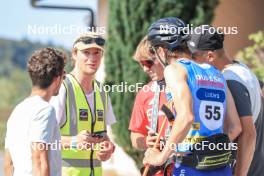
<point>200,98</point>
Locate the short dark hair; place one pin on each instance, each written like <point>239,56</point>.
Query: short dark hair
<point>44,65</point>
<point>181,49</point>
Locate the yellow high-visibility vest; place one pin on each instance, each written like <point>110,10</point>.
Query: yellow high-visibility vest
<point>79,117</point>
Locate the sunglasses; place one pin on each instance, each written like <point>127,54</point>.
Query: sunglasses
<point>89,40</point>
<point>147,63</point>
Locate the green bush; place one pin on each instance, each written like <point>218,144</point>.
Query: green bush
<point>14,88</point>
<point>253,55</point>
<point>5,113</point>
<point>127,24</point>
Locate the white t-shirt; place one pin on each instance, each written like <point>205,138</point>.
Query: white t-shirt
<point>58,103</point>
<point>33,120</point>
<point>241,73</point>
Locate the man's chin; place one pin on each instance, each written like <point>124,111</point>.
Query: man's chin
<point>90,72</point>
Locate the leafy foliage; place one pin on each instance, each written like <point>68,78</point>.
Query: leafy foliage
<point>253,55</point>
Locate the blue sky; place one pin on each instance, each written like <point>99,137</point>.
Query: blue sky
<point>19,20</point>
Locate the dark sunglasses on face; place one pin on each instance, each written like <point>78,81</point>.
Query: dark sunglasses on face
<point>89,40</point>
<point>147,63</point>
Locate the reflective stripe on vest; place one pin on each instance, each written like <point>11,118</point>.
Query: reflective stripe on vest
<point>79,163</point>
<point>79,117</point>
<point>80,171</point>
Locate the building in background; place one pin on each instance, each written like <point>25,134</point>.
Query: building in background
<point>244,14</point>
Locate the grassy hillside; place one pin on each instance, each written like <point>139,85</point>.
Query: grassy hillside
<point>4,114</point>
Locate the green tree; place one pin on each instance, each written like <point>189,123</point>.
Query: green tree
<point>14,88</point>
<point>253,55</point>
<point>128,23</point>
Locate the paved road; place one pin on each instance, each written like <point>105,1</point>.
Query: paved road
<point>1,163</point>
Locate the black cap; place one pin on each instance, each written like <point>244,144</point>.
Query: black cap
<point>205,37</point>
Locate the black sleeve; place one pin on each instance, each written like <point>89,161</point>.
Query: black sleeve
<point>241,97</point>
<point>261,84</point>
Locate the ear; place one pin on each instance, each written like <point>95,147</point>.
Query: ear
<point>74,54</point>
<point>210,56</point>
<point>55,82</point>
<point>161,51</point>
<point>57,79</point>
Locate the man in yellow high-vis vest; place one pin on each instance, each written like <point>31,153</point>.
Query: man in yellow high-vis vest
<point>84,110</point>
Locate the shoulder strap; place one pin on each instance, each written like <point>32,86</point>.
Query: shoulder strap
<point>72,106</point>
<point>103,95</point>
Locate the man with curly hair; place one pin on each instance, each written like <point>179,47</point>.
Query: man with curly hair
<point>205,111</point>
<point>32,129</point>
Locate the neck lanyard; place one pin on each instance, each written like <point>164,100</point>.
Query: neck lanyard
<point>155,108</point>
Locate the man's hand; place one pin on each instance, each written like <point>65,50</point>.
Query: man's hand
<point>8,164</point>
<point>151,139</point>
<point>138,141</point>
<point>105,151</point>
<point>154,157</point>
<point>86,139</point>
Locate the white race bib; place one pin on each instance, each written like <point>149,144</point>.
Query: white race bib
<point>211,114</point>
